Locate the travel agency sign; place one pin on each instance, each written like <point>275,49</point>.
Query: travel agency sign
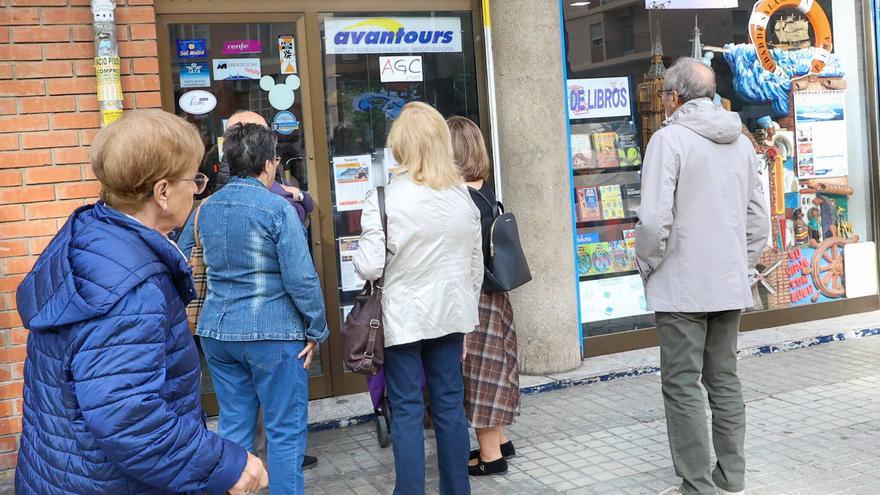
<point>392,35</point>
<point>599,98</point>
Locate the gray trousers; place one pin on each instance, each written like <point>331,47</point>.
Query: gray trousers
<point>694,348</point>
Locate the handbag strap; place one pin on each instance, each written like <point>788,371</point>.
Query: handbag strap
<point>196,225</point>
<point>382,214</point>
<point>495,207</point>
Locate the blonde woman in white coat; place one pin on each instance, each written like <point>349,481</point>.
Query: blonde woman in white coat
<point>433,274</point>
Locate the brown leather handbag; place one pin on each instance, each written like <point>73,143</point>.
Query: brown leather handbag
<point>363,337</point>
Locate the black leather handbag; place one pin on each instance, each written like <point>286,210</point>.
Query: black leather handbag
<point>363,334</point>
<point>507,268</point>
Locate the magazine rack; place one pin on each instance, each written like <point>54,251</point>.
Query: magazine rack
<point>606,175</point>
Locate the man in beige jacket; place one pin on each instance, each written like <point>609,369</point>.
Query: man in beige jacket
<point>703,224</point>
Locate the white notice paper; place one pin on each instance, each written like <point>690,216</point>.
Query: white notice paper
<point>348,277</point>
<point>820,134</point>
<point>352,177</point>
<point>401,69</point>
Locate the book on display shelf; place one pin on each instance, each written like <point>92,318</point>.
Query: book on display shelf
<point>612,202</point>
<point>628,151</point>
<point>632,198</point>
<point>581,152</point>
<point>605,146</point>
<point>588,208</point>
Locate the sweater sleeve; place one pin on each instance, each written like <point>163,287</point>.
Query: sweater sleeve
<point>118,374</point>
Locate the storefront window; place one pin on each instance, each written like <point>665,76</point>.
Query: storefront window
<point>805,111</point>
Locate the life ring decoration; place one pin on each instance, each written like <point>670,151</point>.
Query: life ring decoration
<point>764,9</point>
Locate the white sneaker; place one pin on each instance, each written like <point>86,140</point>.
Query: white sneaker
<point>721,491</point>
<point>675,490</point>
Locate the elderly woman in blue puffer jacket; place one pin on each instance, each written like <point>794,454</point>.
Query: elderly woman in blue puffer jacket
<point>111,385</point>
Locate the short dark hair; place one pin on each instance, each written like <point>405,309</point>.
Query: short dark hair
<point>246,147</point>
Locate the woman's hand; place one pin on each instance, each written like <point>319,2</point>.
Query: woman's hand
<point>307,352</point>
<point>253,478</point>
<point>295,191</point>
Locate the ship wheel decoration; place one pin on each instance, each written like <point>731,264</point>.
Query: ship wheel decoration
<point>763,278</point>
<point>827,268</point>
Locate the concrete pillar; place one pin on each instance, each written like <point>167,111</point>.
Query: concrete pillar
<point>535,178</point>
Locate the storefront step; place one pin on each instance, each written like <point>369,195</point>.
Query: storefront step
<point>348,410</point>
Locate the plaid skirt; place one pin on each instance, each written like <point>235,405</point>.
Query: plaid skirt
<point>490,369</point>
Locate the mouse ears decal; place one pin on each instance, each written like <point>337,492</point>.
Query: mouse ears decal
<point>281,96</point>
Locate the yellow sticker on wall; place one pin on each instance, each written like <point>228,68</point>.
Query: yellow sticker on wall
<point>109,116</point>
<point>107,76</point>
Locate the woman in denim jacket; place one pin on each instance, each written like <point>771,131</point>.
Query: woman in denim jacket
<point>264,311</point>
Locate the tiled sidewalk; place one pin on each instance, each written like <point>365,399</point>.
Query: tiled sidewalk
<point>814,428</point>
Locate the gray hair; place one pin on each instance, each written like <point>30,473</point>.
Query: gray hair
<point>691,79</point>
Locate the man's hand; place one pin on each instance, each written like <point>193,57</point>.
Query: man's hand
<point>307,352</point>
<point>253,478</point>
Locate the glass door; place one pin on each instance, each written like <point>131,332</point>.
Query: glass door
<point>373,64</point>
<point>215,65</point>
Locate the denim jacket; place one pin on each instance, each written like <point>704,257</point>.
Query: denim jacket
<point>262,283</point>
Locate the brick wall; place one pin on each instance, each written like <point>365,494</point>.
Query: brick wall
<point>48,117</point>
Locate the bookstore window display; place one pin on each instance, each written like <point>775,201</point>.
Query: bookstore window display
<point>795,74</point>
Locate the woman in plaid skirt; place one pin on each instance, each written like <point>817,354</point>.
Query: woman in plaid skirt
<point>490,371</point>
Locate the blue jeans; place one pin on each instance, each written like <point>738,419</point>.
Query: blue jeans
<point>441,359</point>
<point>266,373</point>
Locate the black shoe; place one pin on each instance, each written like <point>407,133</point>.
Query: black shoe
<point>309,462</point>
<point>486,468</point>
<point>507,451</point>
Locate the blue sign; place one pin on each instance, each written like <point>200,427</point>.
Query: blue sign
<point>285,122</point>
<point>191,48</point>
<point>195,75</point>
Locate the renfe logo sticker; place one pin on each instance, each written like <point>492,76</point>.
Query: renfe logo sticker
<point>242,46</point>
<point>598,98</point>
<point>393,35</point>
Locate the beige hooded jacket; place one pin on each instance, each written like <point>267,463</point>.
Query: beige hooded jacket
<point>703,221</point>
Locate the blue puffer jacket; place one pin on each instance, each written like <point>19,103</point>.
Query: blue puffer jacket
<point>111,391</point>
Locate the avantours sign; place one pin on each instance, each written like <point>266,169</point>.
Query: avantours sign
<point>599,98</point>
<point>392,35</point>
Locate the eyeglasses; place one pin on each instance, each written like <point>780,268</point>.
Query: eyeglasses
<point>200,180</point>
<point>661,92</point>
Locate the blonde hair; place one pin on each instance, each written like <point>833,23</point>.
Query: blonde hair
<point>421,144</point>
<point>143,147</point>
<point>469,149</point>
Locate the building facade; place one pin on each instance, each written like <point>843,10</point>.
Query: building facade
<point>330,76</point>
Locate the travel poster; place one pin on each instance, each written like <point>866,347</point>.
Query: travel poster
<point>352,178</point>
<point>820,132</point>
<point>349,279</point>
